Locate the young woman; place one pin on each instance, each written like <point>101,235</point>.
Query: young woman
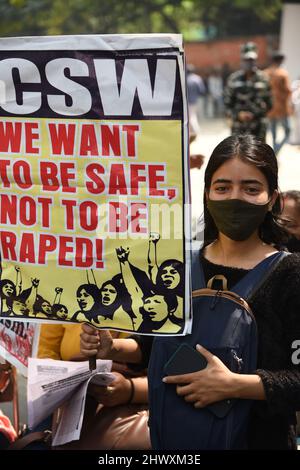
<point>242,207</point>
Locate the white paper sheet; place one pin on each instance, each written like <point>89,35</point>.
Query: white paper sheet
<point>53,383</point>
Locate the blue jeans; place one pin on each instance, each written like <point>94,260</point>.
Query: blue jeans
<point>285,123</point>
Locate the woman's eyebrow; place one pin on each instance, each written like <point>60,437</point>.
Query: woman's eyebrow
<point>252,182</point>
<point>227,181</point>
<point>221,180</point>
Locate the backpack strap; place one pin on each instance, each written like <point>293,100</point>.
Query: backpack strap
<point>256,277</point>
<point>217,277</point>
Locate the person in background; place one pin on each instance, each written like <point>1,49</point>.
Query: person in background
<point>247,96</point>
<point>225,73</point>
<point>281,96</point>
<point>195,89</point>
<point>196,158</point>
<point>290,218</point>
<point>215,89</point>
<point>295,136</point>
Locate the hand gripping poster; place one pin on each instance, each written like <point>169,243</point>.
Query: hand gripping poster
<point>94,202</point>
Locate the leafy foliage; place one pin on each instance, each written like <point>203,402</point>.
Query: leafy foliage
<point>32,17</point>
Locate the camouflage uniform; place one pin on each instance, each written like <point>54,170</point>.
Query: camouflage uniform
<point>252,95</point>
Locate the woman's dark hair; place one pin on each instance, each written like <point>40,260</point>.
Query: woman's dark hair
<point>3,282</point>
<point>12,299</point>
<point>295,196</point>
<point>56,307</point>
<point>37,306</point>
<point>115,282</point>
<point>252,151</point>
<point>178,266</point>
<point>122,298</point>
<point>148,324</point>
<point>91,289</point>
<point>171,300</point>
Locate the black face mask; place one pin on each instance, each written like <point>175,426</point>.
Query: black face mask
<point>235,218</point>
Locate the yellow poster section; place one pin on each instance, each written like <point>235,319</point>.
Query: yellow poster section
<point>157,143</point>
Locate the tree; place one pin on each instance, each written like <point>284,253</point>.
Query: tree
<point>33,17</point>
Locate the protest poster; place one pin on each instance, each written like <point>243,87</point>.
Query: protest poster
<point>18,342</point>
<point>94,212</point>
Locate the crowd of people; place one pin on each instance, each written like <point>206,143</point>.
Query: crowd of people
<point>255,100</point>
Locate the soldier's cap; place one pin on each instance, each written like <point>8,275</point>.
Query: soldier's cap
<point>249,51</point>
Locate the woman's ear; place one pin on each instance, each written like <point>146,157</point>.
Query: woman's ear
<point>273,200</point>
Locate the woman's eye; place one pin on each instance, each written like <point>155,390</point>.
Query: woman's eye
<point>221,189</point>
<point>252,190</point>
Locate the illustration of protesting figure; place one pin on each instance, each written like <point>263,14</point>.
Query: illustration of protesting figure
<point>21,302</point>
<point>134,299</point>
<point>153,312</point>
<point>87,296</point>
<point>168,277</point>
<point>160,294</point>
<point>114,304</point>
<point>58,309</point>
<point>8,291</point>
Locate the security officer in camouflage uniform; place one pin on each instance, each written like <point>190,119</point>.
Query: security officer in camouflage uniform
<point>247,96</point>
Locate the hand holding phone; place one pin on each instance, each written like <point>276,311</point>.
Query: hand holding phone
<point>186,360</point>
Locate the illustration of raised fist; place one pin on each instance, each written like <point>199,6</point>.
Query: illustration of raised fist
<point>122,254</point>
<point>35,282</point>
<point>154,237</point>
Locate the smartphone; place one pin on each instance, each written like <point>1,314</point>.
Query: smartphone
<point>186,360</point>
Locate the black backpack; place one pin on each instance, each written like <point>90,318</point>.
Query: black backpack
<point>224,324</point>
